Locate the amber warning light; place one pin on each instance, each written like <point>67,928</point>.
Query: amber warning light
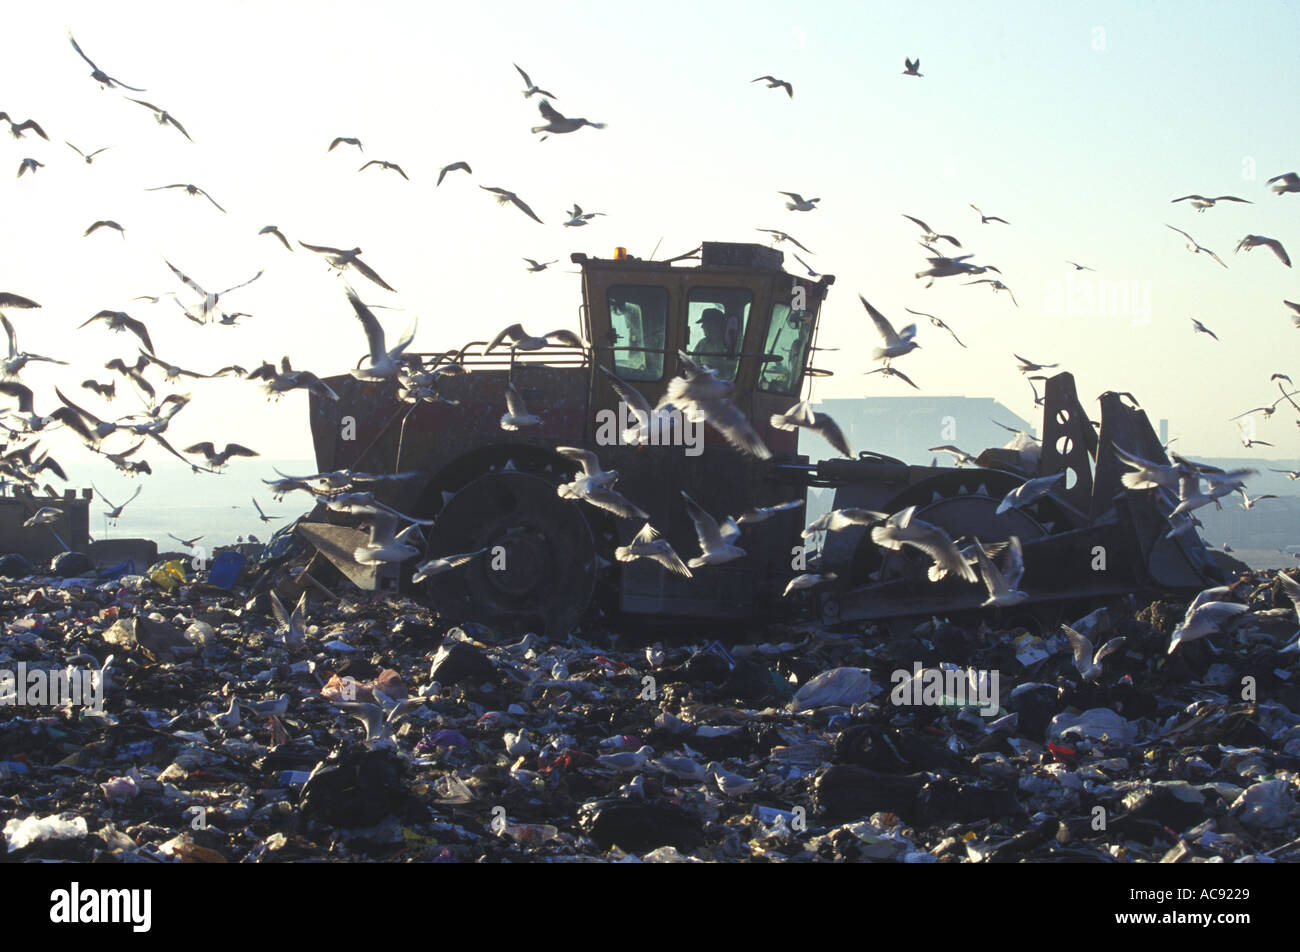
<point>620,254</point>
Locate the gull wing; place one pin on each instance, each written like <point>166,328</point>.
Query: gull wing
<point>374,332</point>
<point>706,527</point>
<point>882,323</point>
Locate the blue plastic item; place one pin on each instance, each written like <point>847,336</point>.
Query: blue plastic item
<point>225,569</point>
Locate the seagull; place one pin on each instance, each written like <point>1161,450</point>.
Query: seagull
<point>558,124</point>
<point>648,545</point>
<point>812,273</point>
<point>763,513</point>
<point>1001,580</point>
<point>577,218</point>
<point>1255,241</point>
<point>18,359</point>
<point>896,344</point>
<point>385,546</point>
<point>1287,182</point>
<point>15,300</point>
<point>931,236</point>
<point>961,456</point>
<point>45,516</point>
<point>383,363</point>
<point>385,165</point>
<point>941,267</point>
<point>1247,442</point>
<point>1146,474</point>
<point>215,459</point>
<point>188,543</point>
<point>1086,661</point>
<point>1027,492</point>
<point>798,203</point>
<point>591,477</point>
<point>910,67</point>
<point>517,416</point>
<point>839,519</point>
<point>504,195</point>
<point>1080,267</point>
<point>936,322</point>
<point>455,166</point>
<point>1248,503</point>
<point>535,266</point>
<point>1193,247</point>
<point>210,299</point>
<point>780,236</point>
<point>626,760</point>
<point>163,116</point>
<point>1028,366</point>
<point>802,415</point>
<point>29,165</point>
<point>260,514</point>
<point>17,129</point>
<point>122,321</point>
<point>115,512</point>
<point>189,190</point>
<point>902,528</point>
<point>996,286</point>
<point>1203,618</point>
<point>89,158</point>
<point>105,223</point>
<point>444,564</point>
<point>602,496</point>
<point>101,77</point>
<point>274,230</point>
<point>341,260</point>
<point>985,219</point>
<point>521,340</point>
<point>700,393</point>
<point>106,390</point>
<point>774,83</point>
<point>1200,328</point>
<point>645,417</point>
<point>717,543</point>
<point>1201,203</point>
<point>807,580</point>
<point>231,717</point>
<point>893,372</point>
<point>530,88</point>
<point>731,784</point>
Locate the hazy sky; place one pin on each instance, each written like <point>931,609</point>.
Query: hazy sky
<point>1077,123</point>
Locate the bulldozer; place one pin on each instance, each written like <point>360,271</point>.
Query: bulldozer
<point>732,308</point>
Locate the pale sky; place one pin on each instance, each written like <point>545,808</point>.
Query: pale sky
<point>1078,124</point>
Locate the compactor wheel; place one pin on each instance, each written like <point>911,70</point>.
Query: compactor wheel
<point>539,570</point>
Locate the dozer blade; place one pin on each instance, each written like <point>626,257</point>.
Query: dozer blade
<point>337,543</point>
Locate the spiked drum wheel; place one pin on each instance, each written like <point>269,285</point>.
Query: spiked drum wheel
<point>539,569</point>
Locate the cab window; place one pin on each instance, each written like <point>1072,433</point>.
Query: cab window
<point>787,341</point>
<point>715,326</point>
<point>638,322</point>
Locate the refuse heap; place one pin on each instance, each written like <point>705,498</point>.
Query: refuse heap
<point>393,735</point>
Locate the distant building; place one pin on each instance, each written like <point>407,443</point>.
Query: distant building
<point>905,427</point>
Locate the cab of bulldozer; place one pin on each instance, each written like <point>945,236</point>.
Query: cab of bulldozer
<point>735,310</point>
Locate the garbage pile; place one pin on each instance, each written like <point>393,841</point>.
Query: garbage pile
<point>239,724</point>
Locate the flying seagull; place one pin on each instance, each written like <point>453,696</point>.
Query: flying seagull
<point>893,372</point>
<point>503,196</point>
<point>902,528</point>
<point>1193,247</point>
<point>1201,203</point>
<point>115,512</point>
<point>455,166</point>
<point>260,514</point>
<point>936,322</point>
<point>896,343</point>
<point>558,124</point>
<point>88,157</point>
<point>798,203</point>
<point>384,363</point>
<point>443,564</point>
<point>104,223</point>
<point>996,286</point>
<point>218,459</point>
<point>1200,328</point>
<point>578,218</point>
<point>189,190</point>
<point>1256,241</point>
<point>163,116</point>
<point>931,236</point>
<point>341,260</point>
<point>536,266</point>
<point>345,140</point>
<point>18,128</point>
<point>393,166</point>
<point>18,359</point>
<point>29,165</point>
<point>521,340</point>
<point>985,219</point>
<point>273,230</point>
<point>801,415</point>
<point>701,394</point>
<point>1287,182</point>
<point>209,298</point>
<point>188,543</point>
<point>122,321</point>
<point>1028,366</point>
<point>1002,578</point>
<point>648,545</point>
<point>717,542</point>
<point>1080,267</point>
<point>1087,661</point>
<point>774,83</point>
<point>101,77</point>
<point>517,416</point>
<point>531,88</point>
<point>780,236</point>
<point>911,67</point>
